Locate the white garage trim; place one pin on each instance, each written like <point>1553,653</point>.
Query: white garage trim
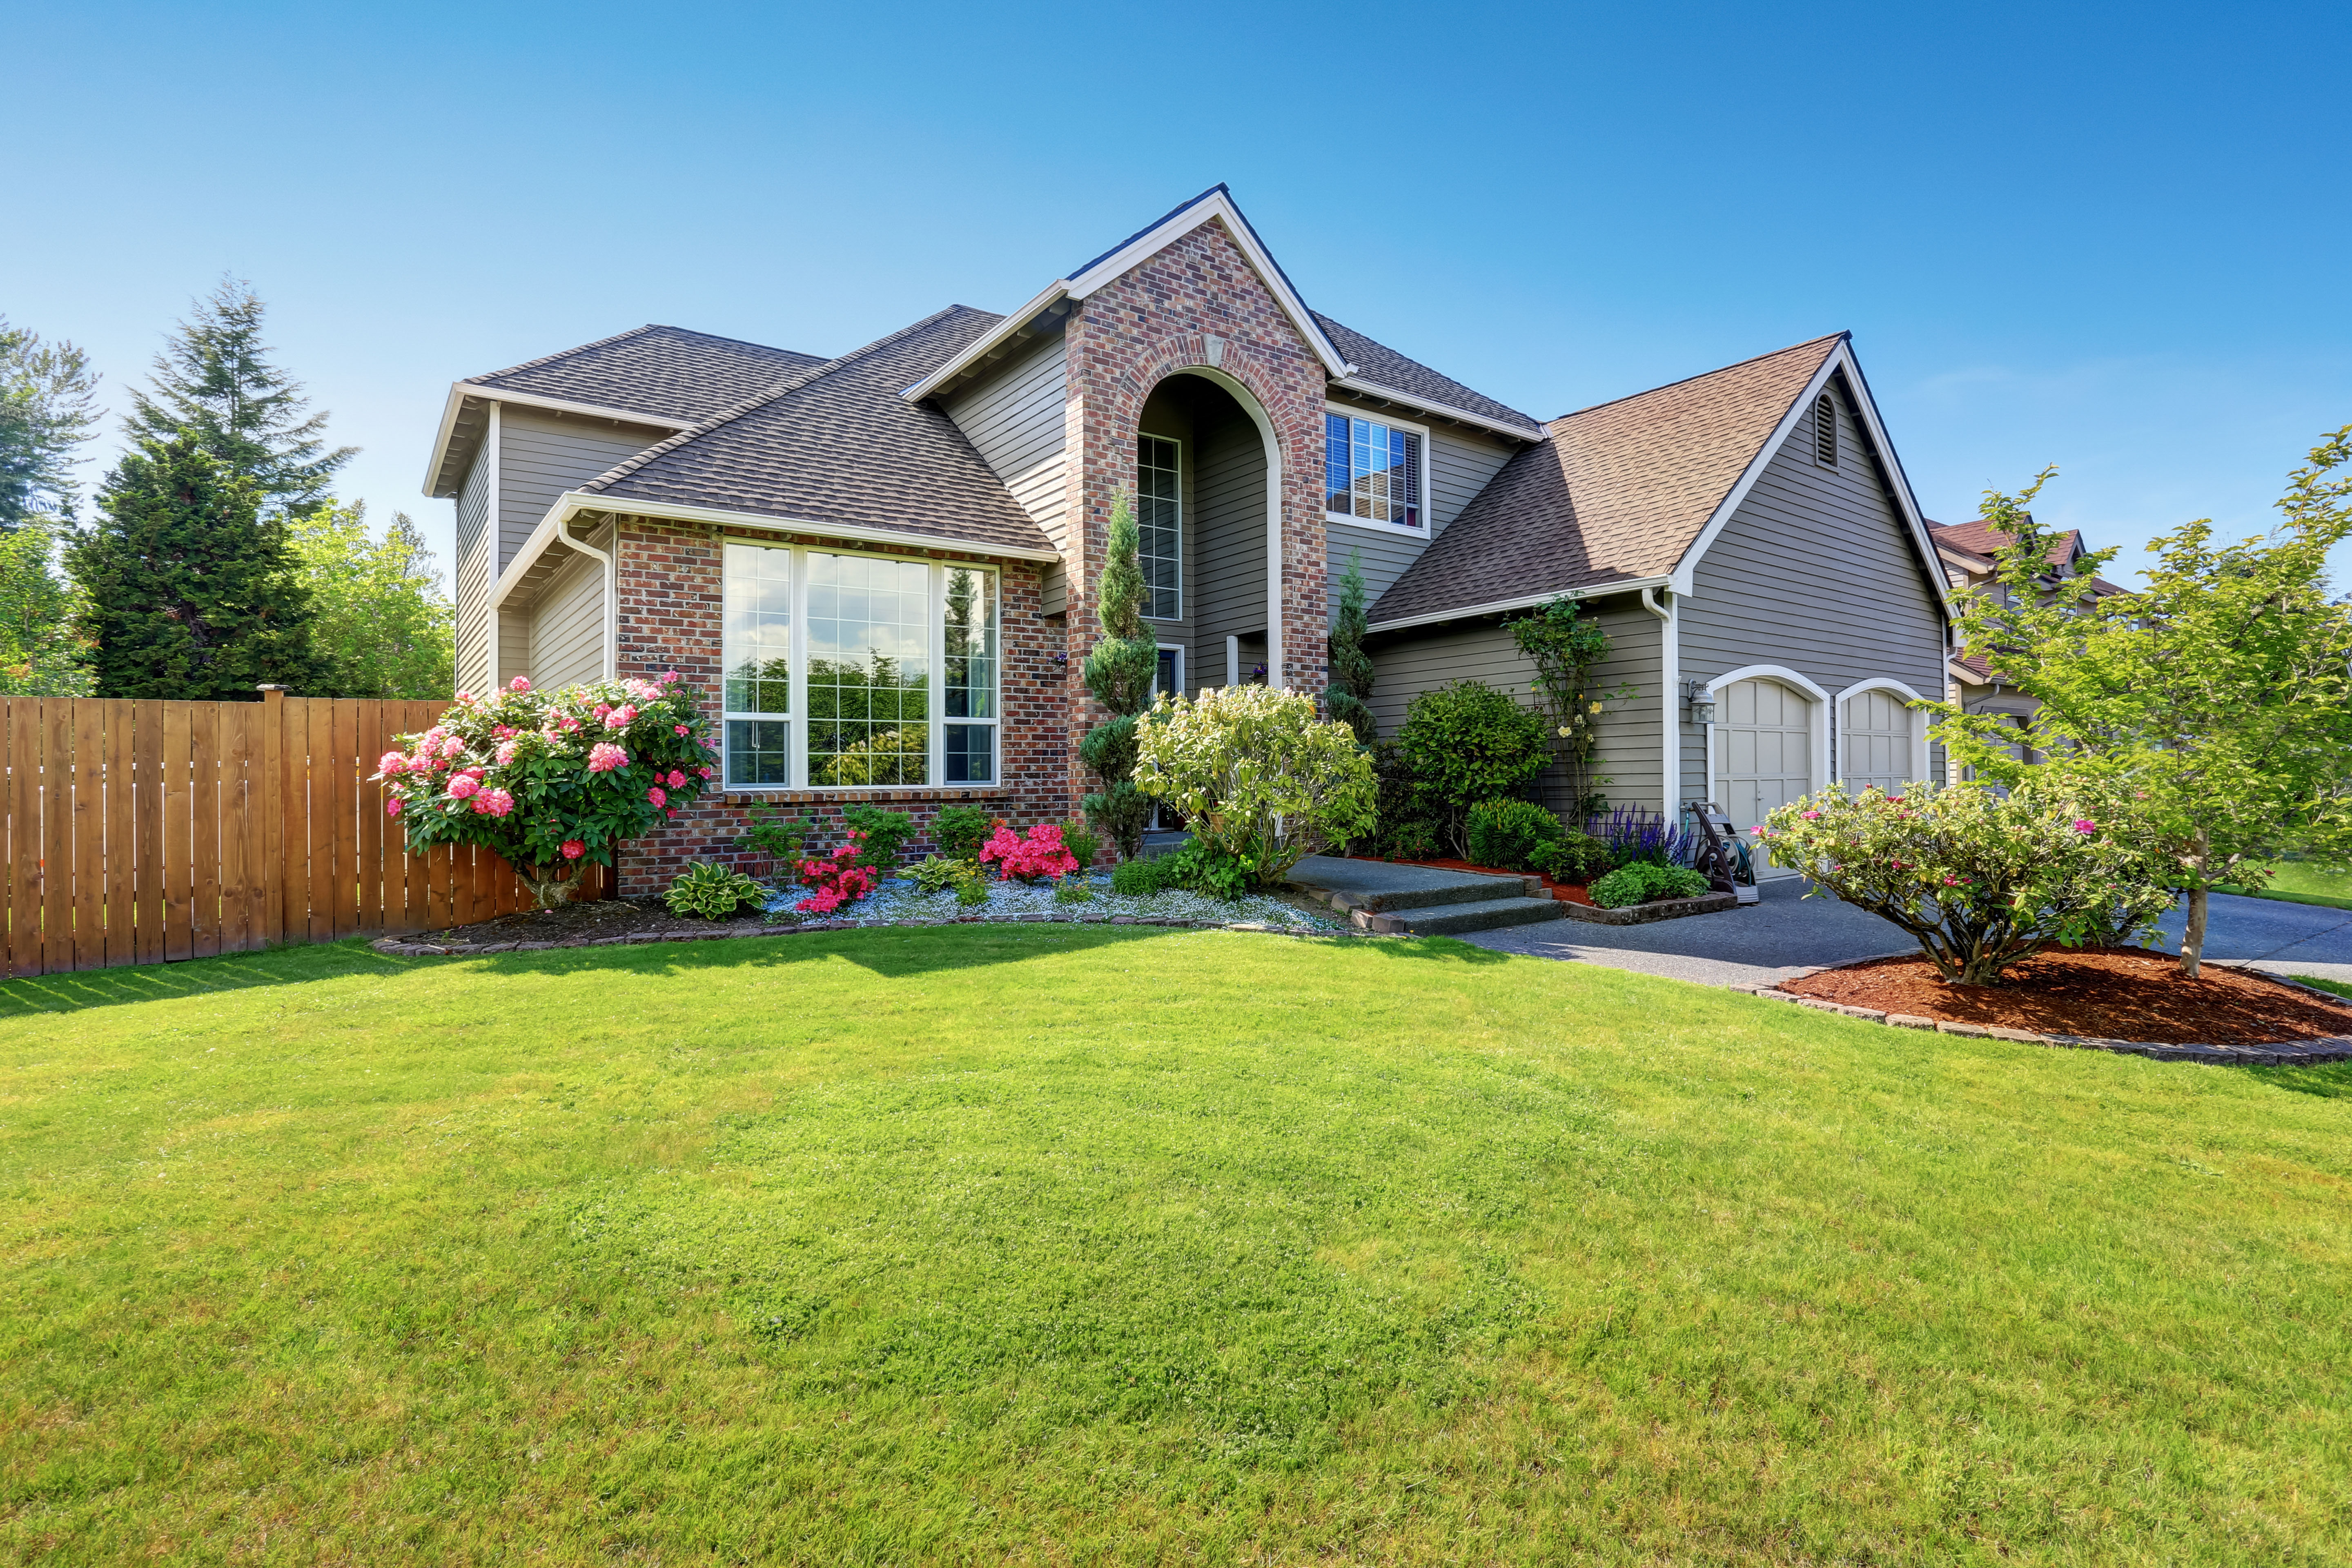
<point>1918,725</point>
<point>1819,718</point>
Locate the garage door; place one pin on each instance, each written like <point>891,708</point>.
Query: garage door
<point>1877,741</point>
<point>1764,752</point>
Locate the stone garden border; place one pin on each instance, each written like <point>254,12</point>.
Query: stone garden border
<point>1658,909</point>
<point>2277,1054</point>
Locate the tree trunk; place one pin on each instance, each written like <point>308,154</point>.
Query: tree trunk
<point>2192,940</point>
<point>549,885</point>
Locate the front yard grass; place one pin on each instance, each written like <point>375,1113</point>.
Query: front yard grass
<point>1080,1245</point>
<point>2299,882</point>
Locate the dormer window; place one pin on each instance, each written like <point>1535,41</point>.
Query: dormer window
<point>1372,471</point>
<point>1825,437</point>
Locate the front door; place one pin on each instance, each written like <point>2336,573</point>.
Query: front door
<point>1764,751</point>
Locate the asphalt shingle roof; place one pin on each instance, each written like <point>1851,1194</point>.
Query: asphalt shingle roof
<point>836,444</point>
<point>1618,492</point>
<point>666,371</point>
<point>1378,362</point>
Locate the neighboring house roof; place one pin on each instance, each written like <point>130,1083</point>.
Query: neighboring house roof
<point>1983,543</point>
<point>1618,492</point>
<point>668,373</point>
<point>1380,366</point>
<point>834,444</point>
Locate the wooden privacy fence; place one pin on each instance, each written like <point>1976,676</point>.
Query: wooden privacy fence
<point>140,832</point>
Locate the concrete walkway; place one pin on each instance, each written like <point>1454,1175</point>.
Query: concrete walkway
<point>1786,932</point>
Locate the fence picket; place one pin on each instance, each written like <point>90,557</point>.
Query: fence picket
<point>234,747</point>
<point>205,810</point>
<point>147,831</point>
<point>122,941</point>
<point>56,834</point>
<point>179,835</point>
<point>25,836</point>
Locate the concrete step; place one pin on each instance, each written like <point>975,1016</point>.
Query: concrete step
<point>1378,886</point>
<point>1485,914</point>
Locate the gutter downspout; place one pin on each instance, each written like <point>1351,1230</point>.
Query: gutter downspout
<point>1669,751</point>
<point>612,589</point>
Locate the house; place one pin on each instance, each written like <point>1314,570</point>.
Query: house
<point>881,567</point>
<point>1970,555</point>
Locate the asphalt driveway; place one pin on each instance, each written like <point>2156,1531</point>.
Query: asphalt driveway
<point>1786,932</point>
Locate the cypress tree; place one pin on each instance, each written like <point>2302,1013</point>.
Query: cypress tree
<point>214,379</point>
<point>47,411</point>
<point>190,592</point>
<point>1120,672</point>
<point>1347,697</point>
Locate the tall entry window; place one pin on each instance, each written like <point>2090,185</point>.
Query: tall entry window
<point>1158,517</point>
<point>893,664</point>
<point>1372,471</point>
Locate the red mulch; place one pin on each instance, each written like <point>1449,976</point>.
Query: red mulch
<point>1566,893</point>
<point>2115,994</point>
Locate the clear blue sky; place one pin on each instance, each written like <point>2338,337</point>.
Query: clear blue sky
<point>2112,237</point>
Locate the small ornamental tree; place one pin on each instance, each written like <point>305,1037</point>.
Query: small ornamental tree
<point>552,780</point>
<point>1119,673</point>
<point>1256,774</point>
<point>1466,742</point>
<point>1981,880</point>
<point>1349,697</point>
<point>1565,643</point>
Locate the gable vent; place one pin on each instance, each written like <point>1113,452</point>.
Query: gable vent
<point>1825,441</point>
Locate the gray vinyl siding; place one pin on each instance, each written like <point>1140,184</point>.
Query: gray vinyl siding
<point>514,643</point>
<point>567,621</point>
<point>1228,553</point>
<point>1814,571</point>
<point>1015,421</point>
<point>473,573</point>
<point>1460,463</point>
<point>1628,760</point>
<point>542,455</point>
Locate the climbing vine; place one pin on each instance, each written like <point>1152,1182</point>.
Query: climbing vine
<point>1565,643</point>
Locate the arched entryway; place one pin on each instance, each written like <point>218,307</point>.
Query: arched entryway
<point>1208,487</point>
<point>1882,740</point>
<point>1765,747</point>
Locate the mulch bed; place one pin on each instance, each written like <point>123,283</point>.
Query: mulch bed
<point>582,920</point>
<point>1566,893</point>
<point>2117,994</point>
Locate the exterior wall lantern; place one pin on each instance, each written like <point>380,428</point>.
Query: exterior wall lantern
<point>1698,702</point>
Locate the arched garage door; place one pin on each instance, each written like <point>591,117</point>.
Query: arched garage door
<point>1878,736</point>
<point>1764,751</point>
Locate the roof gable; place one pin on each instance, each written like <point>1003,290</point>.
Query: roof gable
<point>668,373</point>
<point>1378,368</point>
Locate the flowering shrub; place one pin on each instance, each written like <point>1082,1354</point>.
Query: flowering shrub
<point>551,780</point>
<point>840,877</point>
<point>1038,856</point>
<point>1257,775</point>
<point>1981,880</point>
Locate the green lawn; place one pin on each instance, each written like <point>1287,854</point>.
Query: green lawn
<point>1057,1245</point>
<point>2301,883</point>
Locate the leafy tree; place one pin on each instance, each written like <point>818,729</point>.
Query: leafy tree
<point>1348,699</point>
<point>215,378</point>
<point>40,656</point>
<point>382,624</point>
<point>1120,672</point>
<point>46,412</point>
<point>190,592</point>
<point>2217,700</point>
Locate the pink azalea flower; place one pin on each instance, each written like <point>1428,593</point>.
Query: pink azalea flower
<point>1811,815</point>
<point>571,725</point>
<point>392,807</point>
<point>677,779</point>
<point>506,753</point>
<point>496,802</point>
<point>465,697</point>
<point>392,763</point>
<point>656,795</point>
<point>518,684</point>
<point>603,757</point>
<point>706,771</point>
<point>463,786</point>
<point>679,728</point>
<point>621,718</point>
<point>669,678</point>
<point>2084,825</point>
<point>574,849</point>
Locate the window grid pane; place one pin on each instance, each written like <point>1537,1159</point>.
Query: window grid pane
<point>1372,470</point>
<point>1160,524</point>
<point>868,671</point>
<point>758,635</point>
<point>970,644</point>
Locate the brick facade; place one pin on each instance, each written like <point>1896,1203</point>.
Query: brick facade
<point>670,619</point>
<point>1196,305</point>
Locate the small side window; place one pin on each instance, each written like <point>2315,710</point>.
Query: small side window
<point>1825,442</point>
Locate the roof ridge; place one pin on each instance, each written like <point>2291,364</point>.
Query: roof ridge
<point>783,387</point>
<point>489,376</point>
<point>716,338</point>
<point>1084,269</point>
<point>1702,376</point>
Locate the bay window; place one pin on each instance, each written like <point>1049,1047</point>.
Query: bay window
<point>1372,471</point>
<point>893,663</point>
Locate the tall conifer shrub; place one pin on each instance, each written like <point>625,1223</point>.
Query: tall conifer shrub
<point>1118,673</point>
<point>1349,697</point>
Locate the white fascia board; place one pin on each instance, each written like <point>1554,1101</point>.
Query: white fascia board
<point>572,502</point>
<point>1389,394</point>
<point>987,342</point>
<point>461,390</point>
<point>1525,602</point>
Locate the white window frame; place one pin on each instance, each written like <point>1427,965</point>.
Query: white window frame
<point>935,645</point>
<point>1181,521</point>
<point>1918,726</point>
<point>1428,529</point>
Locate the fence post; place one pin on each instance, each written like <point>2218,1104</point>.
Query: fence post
<point>271,873</point>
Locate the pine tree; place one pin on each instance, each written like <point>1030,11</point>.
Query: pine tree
<point>382,625</point>
<point>46,412</point>
<point>215,378</point>
<point>1120,672</point>
<point>1349,696</point>
<point>190,592</point>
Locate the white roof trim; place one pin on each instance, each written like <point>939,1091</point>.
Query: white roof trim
<point>461,390</point>
<point>1525,602</point>
<point>1906,503</point>
<point>572,502</point>
<point>1216,204</point>
<point>1374,389</point>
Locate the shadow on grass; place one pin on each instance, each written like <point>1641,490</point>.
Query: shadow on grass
<point>894,952</point>
<point>2333,1082</point>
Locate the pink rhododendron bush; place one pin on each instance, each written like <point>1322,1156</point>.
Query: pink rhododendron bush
<point>841,877</point>
<point>552,780</point>
<point>1983,880</point>
<point>1257,774</point>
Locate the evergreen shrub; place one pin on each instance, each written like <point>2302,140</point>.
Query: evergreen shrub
<point>1508,834</point>
<point>960,830</point>
<point>1464,743</point>
<point>1644,880</point>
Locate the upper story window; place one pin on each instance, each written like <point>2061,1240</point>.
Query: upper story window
<point>1159,521</point>
<point>856,671</point>
<point>1372,471</point>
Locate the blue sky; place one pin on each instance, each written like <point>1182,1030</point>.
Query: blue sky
<point>2109,238</point>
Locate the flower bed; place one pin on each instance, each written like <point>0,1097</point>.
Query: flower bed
<point>2116,994</point>
<point>899,898</point>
